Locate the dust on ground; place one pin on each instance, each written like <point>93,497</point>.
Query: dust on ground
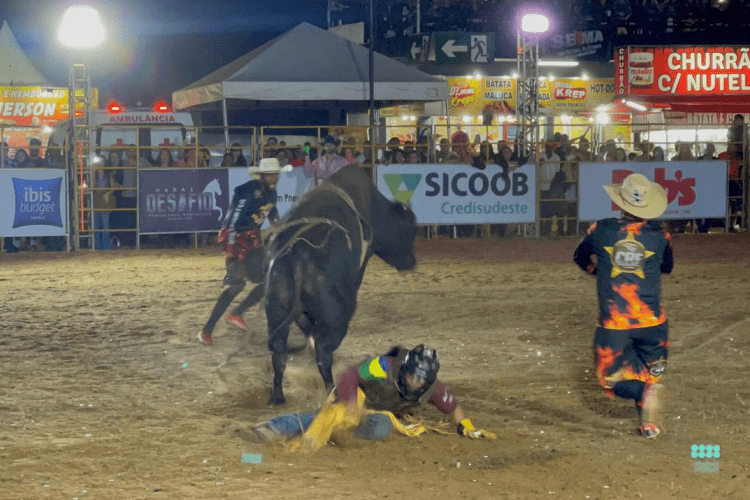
<point>105,391</point>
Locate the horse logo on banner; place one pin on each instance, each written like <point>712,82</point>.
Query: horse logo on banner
<point>214,189</point>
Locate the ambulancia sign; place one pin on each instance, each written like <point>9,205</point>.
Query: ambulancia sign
<point>682,71</point>
<point>141,118</point>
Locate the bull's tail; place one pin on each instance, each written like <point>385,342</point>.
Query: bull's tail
<point>295,309</point>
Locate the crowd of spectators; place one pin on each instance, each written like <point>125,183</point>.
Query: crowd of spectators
<point>31,157</point>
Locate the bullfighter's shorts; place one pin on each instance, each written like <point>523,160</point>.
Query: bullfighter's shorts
<point>637,354</point>
<point>250,268</point>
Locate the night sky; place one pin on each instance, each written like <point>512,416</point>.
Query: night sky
<point>156,46</point>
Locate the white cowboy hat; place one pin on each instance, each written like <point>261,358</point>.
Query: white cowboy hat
<point>267,166</point>
<point>639,196</point>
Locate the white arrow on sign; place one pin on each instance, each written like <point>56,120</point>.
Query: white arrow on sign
<point>450,49</point>
<point>415,50</point>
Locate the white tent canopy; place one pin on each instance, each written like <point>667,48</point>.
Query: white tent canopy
<point>15,66</point>
<point>310,64</point>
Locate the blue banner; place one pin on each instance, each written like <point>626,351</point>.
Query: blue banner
<point>182,200</point>
<point>33,202</point>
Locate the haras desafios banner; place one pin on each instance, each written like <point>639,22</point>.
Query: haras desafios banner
<point>460,194</point>
<point>695,189</point>
<point>182,200</point>
<point>33,202</point>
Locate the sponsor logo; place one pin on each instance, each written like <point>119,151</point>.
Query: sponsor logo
<point>577,94</point>
<point>628,256</point>
<point>678,188</point>
<point>462,95</point>
<point>477,184</point>
<point>712,452</point>
<point>578,38</point>
<point>402,186</point>
<point>185,201</point>
<point>37,202</point>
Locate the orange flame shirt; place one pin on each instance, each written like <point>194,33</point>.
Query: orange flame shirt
<point>630,258</point>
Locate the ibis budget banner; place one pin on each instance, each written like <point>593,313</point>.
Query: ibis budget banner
<point>33,202</point>
<point>461,194</point>
<point>695,189</point>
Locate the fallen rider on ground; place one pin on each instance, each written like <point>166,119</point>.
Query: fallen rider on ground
<point>373,398</point>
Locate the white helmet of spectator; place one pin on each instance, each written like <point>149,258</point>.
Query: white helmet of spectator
<point>267,166</point>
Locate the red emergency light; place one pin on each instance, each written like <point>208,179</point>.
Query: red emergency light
<point>161,107</point>
<point>78,114</point>
<point>114,107</point>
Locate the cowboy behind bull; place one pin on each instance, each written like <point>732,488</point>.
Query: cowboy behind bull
<point>240,236</point>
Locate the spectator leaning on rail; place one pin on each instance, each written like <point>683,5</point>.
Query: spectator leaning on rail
<point>372,396</point>
<point>326,164</point>
<point>34,156</point>
<point>644,148</point>
<point>735,134</point>
<point>632,336</point>
<point>240,236</point>
<point>238,156</point>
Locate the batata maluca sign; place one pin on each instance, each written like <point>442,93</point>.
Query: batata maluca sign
<point>682,71</point>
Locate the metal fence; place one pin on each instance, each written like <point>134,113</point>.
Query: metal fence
<point>105,183</point>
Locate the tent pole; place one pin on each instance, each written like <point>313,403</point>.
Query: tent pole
<point>226,122</point>
<point>373,142</point>
<point>419,19</point>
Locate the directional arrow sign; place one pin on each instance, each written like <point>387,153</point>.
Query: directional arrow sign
<point>450,48</point>
<point>415,49</point>
<point>463,48</point>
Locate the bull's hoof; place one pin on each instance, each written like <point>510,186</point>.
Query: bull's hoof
<point>276,399</point>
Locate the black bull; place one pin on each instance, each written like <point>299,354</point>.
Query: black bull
<point>316,259</point>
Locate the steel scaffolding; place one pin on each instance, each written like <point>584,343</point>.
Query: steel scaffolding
<point>527,109</point>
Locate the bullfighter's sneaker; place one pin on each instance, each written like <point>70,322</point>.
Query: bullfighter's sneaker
<point>650,431</point>
<point>651,406</point>
<point>236,321</point>
<point>205,337</point>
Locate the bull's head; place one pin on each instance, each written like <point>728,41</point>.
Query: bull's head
<point>394,236</point>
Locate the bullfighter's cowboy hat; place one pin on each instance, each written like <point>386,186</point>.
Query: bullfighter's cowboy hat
<point>639,196</point>
<point>267,166</point>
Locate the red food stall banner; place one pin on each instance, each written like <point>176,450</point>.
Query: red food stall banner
<point>682,71</point>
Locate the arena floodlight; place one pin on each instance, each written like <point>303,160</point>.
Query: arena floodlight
<point>81,28</point>
<point>534,22</point>
<point>559,64</point>
<point>635,105</point>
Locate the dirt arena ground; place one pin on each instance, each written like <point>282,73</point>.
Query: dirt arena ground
<point>105,392</point>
